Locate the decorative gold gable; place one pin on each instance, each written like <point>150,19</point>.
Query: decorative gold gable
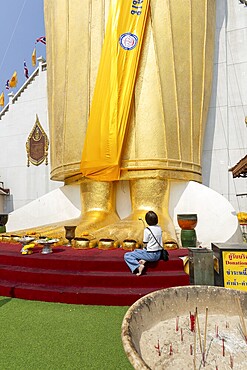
<point>37,145</point>
<point>240,169</point>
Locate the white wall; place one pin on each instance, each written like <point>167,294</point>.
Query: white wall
<point>25,183</point>
<point>226,133</point>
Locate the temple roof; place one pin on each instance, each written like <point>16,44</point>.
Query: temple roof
<point>240,169</point>
<point>41,67</point>
<point>4,191</point>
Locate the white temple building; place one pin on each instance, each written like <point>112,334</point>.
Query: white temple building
<point>17,119</point>
<point>25,188</point>
<point>226,133</point>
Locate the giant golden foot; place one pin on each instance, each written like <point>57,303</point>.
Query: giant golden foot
<point>147,194</point>
<point>98,205</point>
<point>100,221</point>
<point>85,225</point>
<point>131,229</point>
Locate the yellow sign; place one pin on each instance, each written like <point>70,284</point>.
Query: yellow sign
<point>235,270</point>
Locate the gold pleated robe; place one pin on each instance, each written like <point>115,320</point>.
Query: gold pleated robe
<point>171,96</point>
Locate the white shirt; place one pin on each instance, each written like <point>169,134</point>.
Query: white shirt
<point>152,245</point>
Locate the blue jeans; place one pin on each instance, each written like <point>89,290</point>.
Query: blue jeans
<point>132,258</point>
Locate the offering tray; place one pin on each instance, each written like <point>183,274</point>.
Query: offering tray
<point>47,244</point>
<point>25,241</point>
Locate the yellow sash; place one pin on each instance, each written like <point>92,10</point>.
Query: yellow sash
<point>113,90</point>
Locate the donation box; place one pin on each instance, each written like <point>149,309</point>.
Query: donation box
<point>230,265</point>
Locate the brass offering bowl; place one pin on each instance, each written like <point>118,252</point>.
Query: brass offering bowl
<point>130,244</point>
<point>5,238</point>
<point>83,243</point>
<point>106,243</point>
<point>170,246</point>
<point>15,238</point>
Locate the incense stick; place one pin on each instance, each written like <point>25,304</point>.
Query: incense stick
<point>192,322</point>
<point>177,321</point>
<point>205,335</point>
<point>223,347</point>
<point>241,316</point>
<point>199,332</point>
<point>194,360</point>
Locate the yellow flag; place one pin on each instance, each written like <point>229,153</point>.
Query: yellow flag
<point>113,90</point>
<point>34,57</point>
<point>2,99</point>
<point>13,81</point>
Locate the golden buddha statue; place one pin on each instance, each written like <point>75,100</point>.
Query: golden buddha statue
<point>167,115</point>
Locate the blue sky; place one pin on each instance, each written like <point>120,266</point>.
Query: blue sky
<point>21,23</point>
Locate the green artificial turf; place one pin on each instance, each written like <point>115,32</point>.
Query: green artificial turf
<point>39,335</point>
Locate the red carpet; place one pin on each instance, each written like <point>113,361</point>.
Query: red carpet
<point>92,276</point>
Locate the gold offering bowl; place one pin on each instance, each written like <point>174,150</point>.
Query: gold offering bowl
<point>83,243</point>
<point>130,244</point>
<point>107,244</point>
<point>5,238</point>
<point>15,238</point>
<point>168,305</point>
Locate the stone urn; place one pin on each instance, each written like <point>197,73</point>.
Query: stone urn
<point>157,330</point>
<point>3,220</point>
<point>187,223</point>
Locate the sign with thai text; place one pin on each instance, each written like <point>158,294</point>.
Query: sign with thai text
<point>235,269</point>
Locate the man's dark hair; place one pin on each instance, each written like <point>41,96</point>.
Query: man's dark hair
<point>151,218</point>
